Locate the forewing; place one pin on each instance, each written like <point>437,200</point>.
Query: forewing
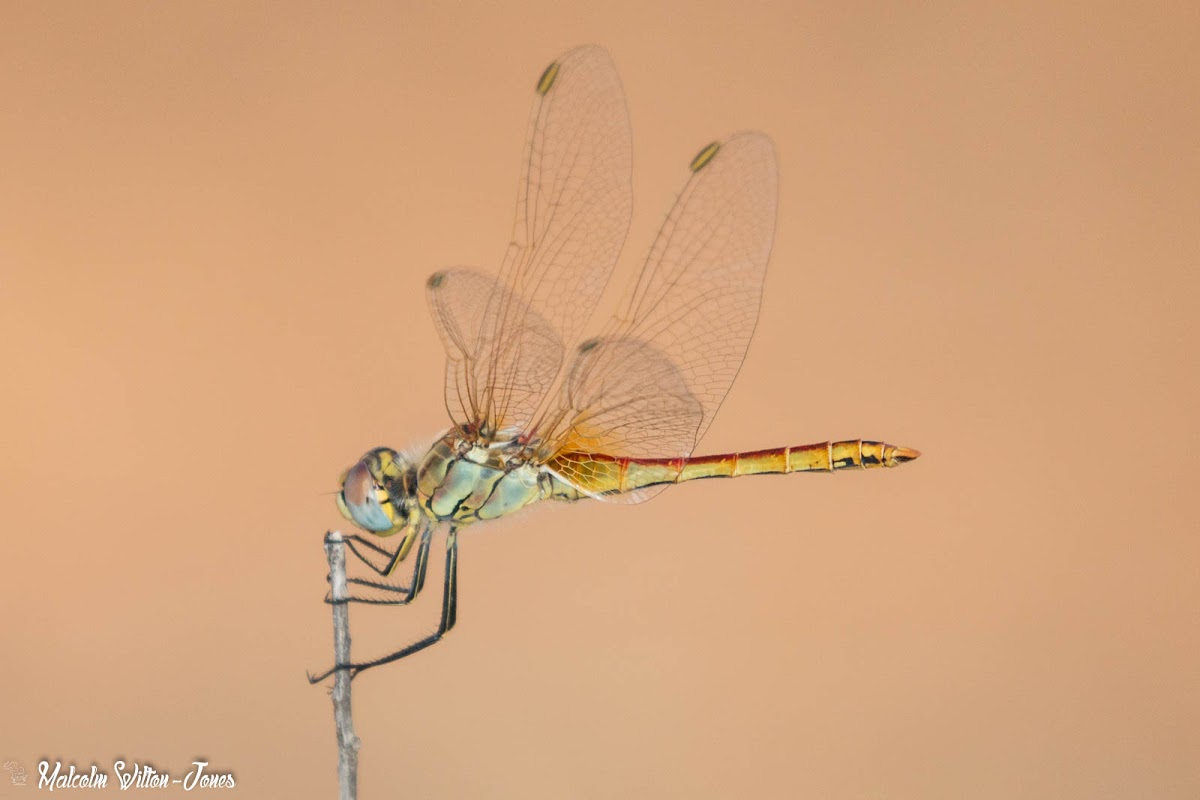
<point>573,207</point>
<point>698,294</point>
<point>694,306</point>
<point>461,301</point>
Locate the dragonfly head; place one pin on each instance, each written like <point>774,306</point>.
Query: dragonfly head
<point>378,493</point>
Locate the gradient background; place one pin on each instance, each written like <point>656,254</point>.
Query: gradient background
<point>215,222</point>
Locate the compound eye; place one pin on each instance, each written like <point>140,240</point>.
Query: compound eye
<point>341,504</point>
<point>357,485</point>
<point>365,502</point>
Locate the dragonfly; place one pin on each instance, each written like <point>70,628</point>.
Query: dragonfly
<point>540,413</point>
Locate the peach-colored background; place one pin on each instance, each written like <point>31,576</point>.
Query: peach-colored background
<point>215,222</point>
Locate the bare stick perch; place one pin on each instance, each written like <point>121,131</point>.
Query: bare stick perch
<point>348,741</point>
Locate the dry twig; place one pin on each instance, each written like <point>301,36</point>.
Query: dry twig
<point>348,741</point>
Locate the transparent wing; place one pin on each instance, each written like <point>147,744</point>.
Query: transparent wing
<point>626,397</point>
<point>573,207</point>
<point>461,301</point>
<point>686,323</point>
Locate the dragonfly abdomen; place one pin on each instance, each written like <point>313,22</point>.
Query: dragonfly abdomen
<point>603,474</point>
<point>822,457</point>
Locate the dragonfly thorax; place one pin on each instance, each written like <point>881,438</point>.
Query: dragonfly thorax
<point>467,482</point>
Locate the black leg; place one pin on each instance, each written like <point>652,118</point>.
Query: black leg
<point>393,558</point>
<point>449,615</point>
<point>409,592</point>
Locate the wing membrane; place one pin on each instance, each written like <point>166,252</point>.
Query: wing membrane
<point>573,207</point>
<point>622,396</point>
<point>693,307</point>
<point>628,397</point>
<point>461,301</point>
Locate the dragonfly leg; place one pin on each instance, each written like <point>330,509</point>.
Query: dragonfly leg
<point>393,558</point>
<point>449,616</point>
<point>409,592</point>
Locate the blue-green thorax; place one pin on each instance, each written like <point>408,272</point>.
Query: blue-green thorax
<point>463,482</point>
